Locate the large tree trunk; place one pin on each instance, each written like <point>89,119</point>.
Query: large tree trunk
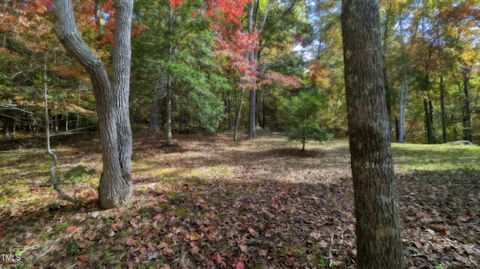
<point>388,94</point>
<point>252,97</point>
<point>111,96</point>
<point>443,111</point>
<point>377,221</point>
<point>467,119</point>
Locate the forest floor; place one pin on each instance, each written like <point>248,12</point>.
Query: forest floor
<point>210,203</point>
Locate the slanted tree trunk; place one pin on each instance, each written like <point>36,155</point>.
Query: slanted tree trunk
<point>379,244</point>
<point>467,119</point>
<point>53,167</point>
<point>111,96</point>
<point>443,111</point>
<point>252,97</point>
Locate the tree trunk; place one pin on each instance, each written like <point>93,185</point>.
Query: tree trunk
<point>377,220</point>
<point>388,94</point>
<point>427,106</point>
<point>77,115</point>
<point>239,115</point>
<point>53,167</point>
<point>111,96</point>
<point>168,124</point>
<point>467,119</point>
<point>444,112</point>
<point>252,98</point>
<point>66,122</point>
<point>304,139</point>
<point>403,90</point>
<point>228,108</point>
<point>155,109</point>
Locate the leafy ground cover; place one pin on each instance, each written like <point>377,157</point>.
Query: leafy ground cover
<point>210,203</point>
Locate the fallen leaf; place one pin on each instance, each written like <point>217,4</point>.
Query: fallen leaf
<point>240,265</point>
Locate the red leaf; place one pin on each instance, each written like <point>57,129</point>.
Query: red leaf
<point>240,265</point>
<point>168,251</point>
<point>71,229</point>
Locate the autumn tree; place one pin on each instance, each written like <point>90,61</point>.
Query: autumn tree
<point>111,95</point>
<point>377,221</point>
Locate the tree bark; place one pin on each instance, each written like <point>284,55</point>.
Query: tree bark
<point>443,111</point>
<point>239,115</point>
<point>403,90</point>
<point>168,124</point>
<point>252,96</point>
<point>53,167</point>
<point>428,109</point>
<point>111,96</point>
<point>467,119</point>
<point>388,94</point>
<point>377,221</point>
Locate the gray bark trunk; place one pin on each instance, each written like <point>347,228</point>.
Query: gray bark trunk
<point>168,124</point>
<point>53,167</point>
<point>403,90</point>
<point>377,221</point>
<point>252,96</point>
<point>111,97</point>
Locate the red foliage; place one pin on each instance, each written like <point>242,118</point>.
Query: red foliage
<point>272,77</point>
<point>175,3</point>
<point>235,45</point>
<point>231,9</point>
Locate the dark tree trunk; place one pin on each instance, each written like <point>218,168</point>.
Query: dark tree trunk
<point>428,108</point>
<point>228,108</point>
<point>111,96</point>
<point>443,112</point>
<point>377,221</point>
<point>397,129</point>
<point>467,119</point>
